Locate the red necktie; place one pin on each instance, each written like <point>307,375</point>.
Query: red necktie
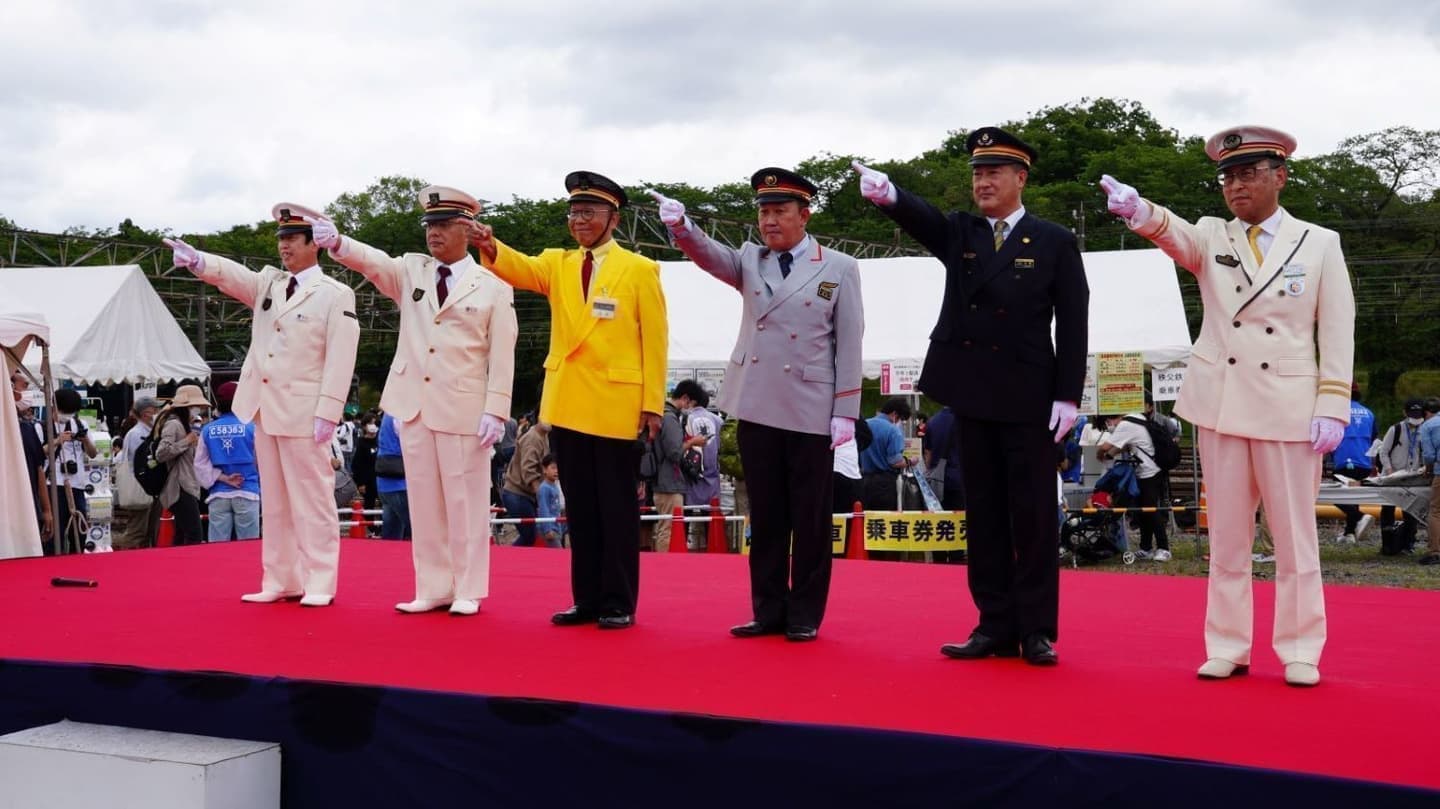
<point>585,270</point>
<point>442,290</point>
<point>290,290</point>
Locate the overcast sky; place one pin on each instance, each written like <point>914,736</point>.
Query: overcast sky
<point>200,115</point>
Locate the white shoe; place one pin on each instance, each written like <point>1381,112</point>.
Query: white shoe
<point>1217,669</point>
<point>423,605</point>
<point>1345,539</point>
<point>465,606</point>
<point>270,596</point>
<point>316,600</point>
<point>1161,555</point>
<point>1302,675</point>
<point>1364,523</point>
<point>1142,554</point>
<point>1262,558</point>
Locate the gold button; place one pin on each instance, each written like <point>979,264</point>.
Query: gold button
<point>437,321</point>
<point>787,369</point>
<point>761,327</point>
<point>754,359</point>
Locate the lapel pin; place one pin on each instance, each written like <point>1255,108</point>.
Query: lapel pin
<point>265,307</point>
<point>417,294</point>
<point>1024,239</point>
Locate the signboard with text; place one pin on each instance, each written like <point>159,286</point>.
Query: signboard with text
<point>1165,383</point>
<point>898,377</point>
<point>1120,382</point>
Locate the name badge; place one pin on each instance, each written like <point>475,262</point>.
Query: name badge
<point>1227,260</point>
<point>1024,263</point>
<point>967,255</point>
<point>826,289</point>
<point>1293,270</point>
<point>604,308</point>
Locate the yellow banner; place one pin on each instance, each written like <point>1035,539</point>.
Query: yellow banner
<point>914,531</point>
<point>837,537</point>
<point>1121,383</point>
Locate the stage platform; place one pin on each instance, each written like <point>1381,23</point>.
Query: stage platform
<point>375,708</point>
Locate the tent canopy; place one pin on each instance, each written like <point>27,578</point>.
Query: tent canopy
<point>1135,305</point>
<point>20,322</point>
<point>107,325</point>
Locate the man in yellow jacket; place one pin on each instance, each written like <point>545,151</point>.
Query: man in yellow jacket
<point>604,379</point>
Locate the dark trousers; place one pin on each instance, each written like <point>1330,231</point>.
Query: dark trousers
<point>790,496</point>
<point>186,512</point>
<point>953,499</point>
<point>1152,524</point>
<point>1012,527</point>
<point>71,541</point>
<point>518,505</point>
<point>598,476</point>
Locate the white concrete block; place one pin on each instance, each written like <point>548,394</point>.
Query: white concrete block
<point>73,765</point>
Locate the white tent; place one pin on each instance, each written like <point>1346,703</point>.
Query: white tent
<point>1135,305</point>
<point>20,324</point>
<point>107,325</point>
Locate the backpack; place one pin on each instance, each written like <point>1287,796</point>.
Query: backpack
<point>1167,449</point>
<point>150,473</point>
<point>692,462</point>
<point>650,458</point>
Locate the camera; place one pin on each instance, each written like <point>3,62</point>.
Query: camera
<point>70,467</point>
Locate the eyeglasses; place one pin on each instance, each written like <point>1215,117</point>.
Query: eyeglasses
<point>586,214</point>
<point>1245,175</point>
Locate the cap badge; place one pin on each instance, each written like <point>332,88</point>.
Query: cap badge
<point>1231,141</point>
<point>285,213</point>
<point>434,197</point>
<point>985,139</point>
<point>771,180</point>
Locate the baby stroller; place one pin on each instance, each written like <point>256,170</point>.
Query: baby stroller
<point>1099,536</point>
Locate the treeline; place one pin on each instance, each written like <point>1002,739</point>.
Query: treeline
<point>1380,190</point>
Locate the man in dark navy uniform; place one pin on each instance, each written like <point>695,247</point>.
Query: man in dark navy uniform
<point>1014,392</point>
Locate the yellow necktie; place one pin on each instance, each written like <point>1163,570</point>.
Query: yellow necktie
<point>1000,227</point>
<point>1253,234</point>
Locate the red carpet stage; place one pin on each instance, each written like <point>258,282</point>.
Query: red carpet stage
<point>871,708</point>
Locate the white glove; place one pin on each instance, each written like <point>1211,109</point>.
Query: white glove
<point>185,256</point>
<point>672,211</point>
<point>874,185</point>
<point>1062,418</point>
<point>1325,433</point>
<point>324,233</point>
<point>1124,201</point>
<point>491,429</point>
<point>324,430</point>
<point>842,430</point>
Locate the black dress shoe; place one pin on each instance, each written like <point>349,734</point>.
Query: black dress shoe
<point>979,645</point>
<point>1038,651</point>
<point>801,633</point>
<point>573,617</point>
<point>622,620</point>
<point>755,629</point>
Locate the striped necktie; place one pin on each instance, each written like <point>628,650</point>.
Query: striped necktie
<point>1001,228</point>
<point>1252,233</point>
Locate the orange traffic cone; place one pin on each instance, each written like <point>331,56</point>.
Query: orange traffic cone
<point>1203,519</point>
<point>855,543</point>
<point>165,532</point>
<point>678,544</point>
<point>715,541</point>
<point>357,513</point>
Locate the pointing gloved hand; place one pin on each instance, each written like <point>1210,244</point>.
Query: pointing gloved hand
<point>842,430</point>
<point>1325,433</point>
<point>324,430</point>
<point>491,430</point>
<point>874,185</point>
<point>1062,418</point>
<point>672,211</point>
<point>185,255</point>
<point>1123,200</point>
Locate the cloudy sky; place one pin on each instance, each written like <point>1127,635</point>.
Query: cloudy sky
<point>198,114</point>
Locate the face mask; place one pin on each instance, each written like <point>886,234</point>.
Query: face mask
<point>372,430</point>
<point>1414,422</point>
<point>64,415</point>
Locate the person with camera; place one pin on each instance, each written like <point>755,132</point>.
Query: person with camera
<point>176,449</point>
<point>668,489</point>
<point>69,452</point>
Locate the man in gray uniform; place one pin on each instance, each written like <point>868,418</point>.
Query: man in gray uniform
<point>794,384</point>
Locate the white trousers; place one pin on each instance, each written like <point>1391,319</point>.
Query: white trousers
<point>447,477</point>
<point>1240,473</point>
<point>300,542</point>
